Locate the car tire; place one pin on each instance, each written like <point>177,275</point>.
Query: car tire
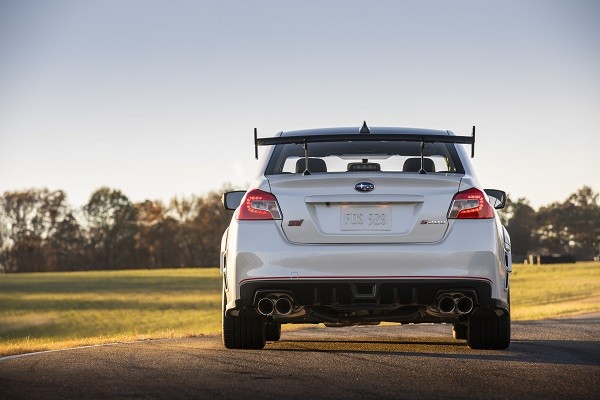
<point>245,331</point>
<point>459,331</point>
<point>487,330</point>
<point>272,331</point>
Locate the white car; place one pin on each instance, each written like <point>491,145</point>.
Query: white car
<point>354,226</point>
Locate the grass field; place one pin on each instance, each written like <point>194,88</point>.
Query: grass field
<point>548,291</point>
<point>56,310</point>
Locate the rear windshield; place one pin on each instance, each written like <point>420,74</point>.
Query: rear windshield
<point>365,157</point>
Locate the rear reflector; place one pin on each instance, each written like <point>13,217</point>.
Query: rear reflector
<point>470,204</point>
<point>258,204</point>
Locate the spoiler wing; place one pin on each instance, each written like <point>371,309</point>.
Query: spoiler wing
<point>362,137</point>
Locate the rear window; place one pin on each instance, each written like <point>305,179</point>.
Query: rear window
<point>365,156</point>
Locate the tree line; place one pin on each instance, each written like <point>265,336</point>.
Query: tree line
<point>571,227</point>
<point>41,231</point>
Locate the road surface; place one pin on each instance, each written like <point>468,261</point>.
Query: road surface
<point>552,359</point>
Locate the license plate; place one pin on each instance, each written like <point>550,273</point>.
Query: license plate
<point>366,218</point>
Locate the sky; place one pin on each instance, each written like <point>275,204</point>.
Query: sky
<point>159,98</point>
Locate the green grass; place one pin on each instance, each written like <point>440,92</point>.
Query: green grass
<point>45,311</point>
<point>547,291</point>
<point>52,310</point>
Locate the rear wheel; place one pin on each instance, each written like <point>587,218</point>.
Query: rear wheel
<point>245,331</point>
<point>272,331</point>
<point>488,330</point>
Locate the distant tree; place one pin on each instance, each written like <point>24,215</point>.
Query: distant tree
<point>32,219</point>
<point>156,241</point>
<point>149,215</point>
<point>519,219</point>
<point>112,221</point>
<point>213,220</point>
<point>584,222</point>
<point>67,247</point>
<point>188,235</point>
<point>573,226</point>
<point>202,221</point>
<point>5,240</point>
<point>40,231</point>
<point>24,251</point>
<point>167,250</point>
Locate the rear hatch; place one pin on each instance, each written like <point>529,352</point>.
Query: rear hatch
<point>327,209</point>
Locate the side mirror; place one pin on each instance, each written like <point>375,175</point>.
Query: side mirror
<point>232,200</point>
<point>497,198</point>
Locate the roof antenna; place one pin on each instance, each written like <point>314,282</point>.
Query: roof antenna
<point>422,170</point>
<point>306,170</point>
<point>365,129</point>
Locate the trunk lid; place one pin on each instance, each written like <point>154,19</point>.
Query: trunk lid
<point>327,209</point>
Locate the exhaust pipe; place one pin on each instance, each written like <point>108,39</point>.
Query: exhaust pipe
<point>464,305</point>
<point>283,306</point>
<point>456,303</point>
<point>446,305</point>
<point>265,306</point>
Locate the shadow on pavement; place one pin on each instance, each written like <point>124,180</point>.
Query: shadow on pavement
<point>556,352</point>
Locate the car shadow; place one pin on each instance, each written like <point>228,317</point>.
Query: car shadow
<point>556,352</point>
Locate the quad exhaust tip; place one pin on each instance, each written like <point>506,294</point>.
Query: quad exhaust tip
<point>283,306</point>
<point>459,304</point>
<point>265,306</point>
<point>275,306</point>
<point>464,305</point>
<point>446,305</point>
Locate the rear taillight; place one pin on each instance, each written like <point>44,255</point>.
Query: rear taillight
<point>470,204</point>
<point>258,204</point>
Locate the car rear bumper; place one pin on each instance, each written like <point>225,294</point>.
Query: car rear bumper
<point>470,255</point>
<point>340,292</point>
<point>357,301</point>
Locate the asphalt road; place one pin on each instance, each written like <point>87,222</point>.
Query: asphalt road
<point>546,360</point>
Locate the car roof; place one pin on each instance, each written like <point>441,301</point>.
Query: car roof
<point>374,130</point>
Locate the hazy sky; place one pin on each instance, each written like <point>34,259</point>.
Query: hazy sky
<point>159,98</point>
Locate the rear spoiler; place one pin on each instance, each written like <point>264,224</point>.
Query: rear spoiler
<point>364,135</point>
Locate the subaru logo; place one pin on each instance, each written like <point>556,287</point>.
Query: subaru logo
<point>364,186</point>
